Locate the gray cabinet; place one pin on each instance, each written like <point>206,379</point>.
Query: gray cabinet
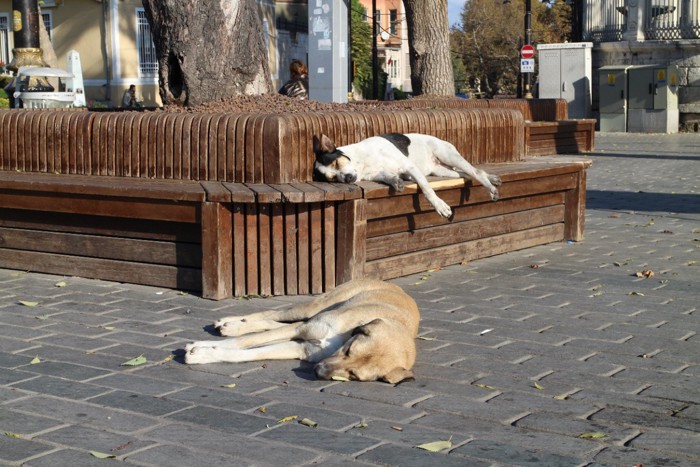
<point>653,99</point>
<point>612,92</point>
<point>565,72</point>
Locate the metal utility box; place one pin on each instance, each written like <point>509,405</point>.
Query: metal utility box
<point>612,95</point>
<point>565,71</point>
<point>653,99</point>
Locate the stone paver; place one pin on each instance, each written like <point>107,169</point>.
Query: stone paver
<point>584,363</point>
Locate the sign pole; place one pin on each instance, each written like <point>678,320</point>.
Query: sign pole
<point>528,42</point>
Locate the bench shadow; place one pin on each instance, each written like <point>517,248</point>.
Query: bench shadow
<point>641,201</point>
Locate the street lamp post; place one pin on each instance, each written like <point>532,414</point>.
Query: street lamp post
<point>528,41</point>
<point>375,53</point>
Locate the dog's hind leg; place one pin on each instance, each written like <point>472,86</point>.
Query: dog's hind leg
<point>450,157</point>
<point>243,326</point>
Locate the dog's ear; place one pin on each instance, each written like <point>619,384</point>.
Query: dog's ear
<point>397,375</point>
<point>365,328</point>
<point>323,145</point>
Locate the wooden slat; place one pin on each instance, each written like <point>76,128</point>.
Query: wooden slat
<point>408,203</point>
<point>407,242</point>
<point>216,252</point>
<point>575,217</point>
<point>420,261</point>
<point>415,221</point>
<point>278,245</point>
<point>290,249</point>
<point>120,271</point>
<point>251,249</point>
<point>112,207</point>
<point>239,255</point>
<point>303,249</point>
<point>351,240</point>
<point>264,249</point>
<point>98,225</point>
<point>96,246</point>
<point>316,247</point>
<point>329,245</point>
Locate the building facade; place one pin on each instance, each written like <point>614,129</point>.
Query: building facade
<point>113,39</point>
<point>648,32</point>
<point>389,22</point>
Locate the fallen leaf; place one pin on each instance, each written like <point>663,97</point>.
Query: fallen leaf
<point>123,446</point>
<point>102,455</point>
<point>648,273</point>
<point>42,317</point>
<point>537,385</point>
<point>29,304</point>
<point>485,386</point>
<point>636,293</point>
<point>397,428</point>
<point>168,358</point>
<point>262,409</point>
<point>597,294</point>
<point>288,419</point>
<point>106,328</point>
<point>562,397</point>
<point>35,360</point>
<point>17,274</point>
<point>464,262</point>
<point>140,360</point>
<point>230,386</point>
<point>362,424</point>
<point>307,422</point>
<point>60,284</point>
<point>690,263</point>
<point>592,435</point>
<point>339,378</point>
<point>425,338</point>
<point>485,331</point>
<point>12,435</point>
<point>614,216</point>
<point>436,446</point>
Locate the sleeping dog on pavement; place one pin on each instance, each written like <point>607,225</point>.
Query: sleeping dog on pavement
<point>395,157</point>
<point>363,330</point>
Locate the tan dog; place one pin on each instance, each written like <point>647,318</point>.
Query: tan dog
<point>364,330</point>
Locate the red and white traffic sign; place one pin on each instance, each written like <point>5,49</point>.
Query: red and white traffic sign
<point>527,51</point>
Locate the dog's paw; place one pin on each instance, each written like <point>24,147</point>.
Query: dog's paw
<point>442,208</point>
<point>495,180</point>
<point>232,328</point>
<point>198,355</point>
<point>494,195</point>
<point>397,184</point>
<point>220,322</point>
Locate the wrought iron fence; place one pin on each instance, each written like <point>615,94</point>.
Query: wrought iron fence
<point>672,19</point>
<point>604,20</point>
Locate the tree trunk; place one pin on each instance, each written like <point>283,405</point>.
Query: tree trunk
<point>429,46</point>
<point>208,49</point>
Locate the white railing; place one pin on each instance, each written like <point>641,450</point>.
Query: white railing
<point>607,20</point>
<point>148,61</point>
<point>604,20</point>
<point>672,19</point>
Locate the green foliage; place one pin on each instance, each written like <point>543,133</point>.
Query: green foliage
<point>4,100</point>
<point>492,33</point>
<point>361,48</point>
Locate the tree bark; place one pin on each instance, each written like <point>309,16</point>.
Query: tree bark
<point>429,47</point>
<point>208,49</point>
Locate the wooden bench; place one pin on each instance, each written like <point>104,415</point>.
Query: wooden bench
<point>224,204</point>
<point>560,137</point>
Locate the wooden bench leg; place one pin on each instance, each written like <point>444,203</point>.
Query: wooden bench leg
<point>351,252</point>
<point>217,257</point>
<point>575,209</point>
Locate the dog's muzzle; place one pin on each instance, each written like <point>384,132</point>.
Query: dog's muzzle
<point>347,178</point>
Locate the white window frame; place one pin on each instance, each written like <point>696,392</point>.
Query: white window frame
<point>145,50</point>
<point>47,18</point>
<point>6,43</point>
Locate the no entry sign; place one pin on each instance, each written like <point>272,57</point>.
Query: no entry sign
<point>527,51</point>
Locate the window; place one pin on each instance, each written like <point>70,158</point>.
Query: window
<point>5,38</point>
<point>148,63</point>
<point>393,18</point>
<point>377,22</point>
<point>48,23</point>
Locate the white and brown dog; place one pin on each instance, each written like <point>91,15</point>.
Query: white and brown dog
<point>395,157</point>
<point>363,330</point>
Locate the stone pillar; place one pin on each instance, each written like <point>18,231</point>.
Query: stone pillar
<point>635,21</point>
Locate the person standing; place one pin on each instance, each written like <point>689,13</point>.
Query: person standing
<point>298,85</point>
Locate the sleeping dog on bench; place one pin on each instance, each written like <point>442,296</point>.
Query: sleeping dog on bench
<point>393,158</point>
<point>363,330</point>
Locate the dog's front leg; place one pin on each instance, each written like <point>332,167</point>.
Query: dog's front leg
<point>393,180</point>
<point>279,351</point>
<point>440,206</point>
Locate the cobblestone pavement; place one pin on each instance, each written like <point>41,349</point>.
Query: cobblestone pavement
<point>557,355</point>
